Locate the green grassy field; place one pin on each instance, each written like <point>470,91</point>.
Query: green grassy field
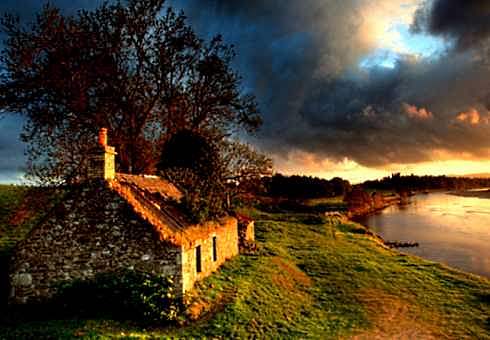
<point>336,202</point>
<point>312,278</point>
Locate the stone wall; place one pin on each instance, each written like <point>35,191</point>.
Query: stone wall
<point>93,231</point>
<point>226,233</point>
<point>246,232</point>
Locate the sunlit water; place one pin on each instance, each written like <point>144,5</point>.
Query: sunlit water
<point>450,229</point>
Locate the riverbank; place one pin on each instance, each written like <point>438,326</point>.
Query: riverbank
<point>366,203</point>
<point>450,229</point>
<point>472,193</point>
<point>361,203</point>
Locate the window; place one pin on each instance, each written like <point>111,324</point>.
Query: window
<point>215,250</point>
<point>198,259</point>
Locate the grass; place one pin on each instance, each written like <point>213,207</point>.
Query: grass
<point>336,200</point>
<point>20,209</point>
<point>309,206</point>
<point>385,192</point>
<point>11,197</point>
<point>312,278</point>
<point>327,203</point>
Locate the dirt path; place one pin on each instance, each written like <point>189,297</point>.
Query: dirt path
<point>393,318</point>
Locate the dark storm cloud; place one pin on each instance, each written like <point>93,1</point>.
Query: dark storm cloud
<point>301,59</point>
<point>467,22</point>
<point>27,8</point>
<point>11,149</point>
<point>395,116</point>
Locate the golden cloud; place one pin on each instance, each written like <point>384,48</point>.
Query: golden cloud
<point>473,117</point>
<point>417,113</point>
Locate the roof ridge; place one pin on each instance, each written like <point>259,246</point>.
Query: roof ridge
<point>172,231</point>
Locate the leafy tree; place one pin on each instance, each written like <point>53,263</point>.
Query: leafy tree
<point>190,150</point>
<point>211,172</point>
<point>300,187</point>
<point>135,67</point>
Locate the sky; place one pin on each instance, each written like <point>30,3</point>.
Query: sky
<point>352,88</point>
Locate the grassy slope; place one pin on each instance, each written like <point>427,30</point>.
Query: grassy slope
<point>20,209</point>
<point>10,198</point>
<point>315,280</point>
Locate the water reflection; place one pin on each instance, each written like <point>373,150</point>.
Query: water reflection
<point>450,229</point>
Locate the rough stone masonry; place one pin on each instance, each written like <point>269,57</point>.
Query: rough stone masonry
<point>117,221</point>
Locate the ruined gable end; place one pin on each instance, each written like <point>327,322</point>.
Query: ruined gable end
<point>212,244</point>
<point>92,231</point>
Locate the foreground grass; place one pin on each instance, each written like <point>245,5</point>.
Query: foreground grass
<point>313,279</point>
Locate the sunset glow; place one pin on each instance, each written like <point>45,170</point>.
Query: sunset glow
<point>307,164</point>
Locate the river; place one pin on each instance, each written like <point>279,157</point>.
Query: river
<point>450,229</point>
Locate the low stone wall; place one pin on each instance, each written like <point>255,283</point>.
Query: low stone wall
<point>246,232</point>
<point>93,231</point>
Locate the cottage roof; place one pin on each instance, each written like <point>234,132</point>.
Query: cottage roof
<point>154,199</point>
<point>153,186</point>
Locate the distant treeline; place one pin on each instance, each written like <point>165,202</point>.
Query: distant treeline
<point>406,183</point>
<point>304,186</point>
<point>301,187</point>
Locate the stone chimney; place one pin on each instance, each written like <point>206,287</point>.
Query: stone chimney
<point>102,159</point>
<point>103,137</point>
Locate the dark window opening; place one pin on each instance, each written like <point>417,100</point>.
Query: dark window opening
<point>198,259</point>
<point>215,250</point>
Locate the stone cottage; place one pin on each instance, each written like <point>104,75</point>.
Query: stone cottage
<point>117,221</point>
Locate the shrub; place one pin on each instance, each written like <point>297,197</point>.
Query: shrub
<point>202,198</point>
<point>122,295</point>
<point>192,161</point>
